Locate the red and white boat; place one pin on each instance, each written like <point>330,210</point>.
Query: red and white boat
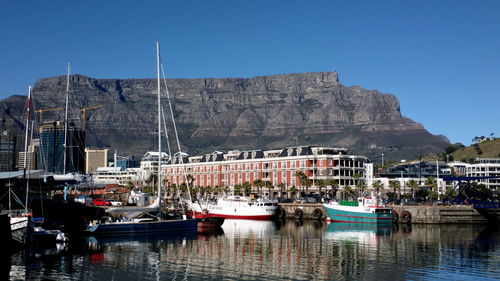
<point>237,207</point>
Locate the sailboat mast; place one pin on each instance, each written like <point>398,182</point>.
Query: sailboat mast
<point>159,124</point>
<point>26,147</point>
<point>66,121</point>
<point>27,127</point>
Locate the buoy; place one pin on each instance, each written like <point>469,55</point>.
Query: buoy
<point>405,217</point>
<point>298,213</point>
<point>395,216</point>
<point>317,214</point>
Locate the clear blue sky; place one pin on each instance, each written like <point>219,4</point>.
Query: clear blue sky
<point>440,58</point>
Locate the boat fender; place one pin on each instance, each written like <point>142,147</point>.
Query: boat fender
<point>395,216</point>
<point>281,212</point>
<point>405,217</point>
<point>298,213</point>
<point>317,213</point>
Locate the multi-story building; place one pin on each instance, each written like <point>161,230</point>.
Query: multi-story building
<point>149,164</point>
<point>486,167</point>
<point>115,175</point>
<point>418,169</point>
<point>7,151</point>
<point>29,159</point>
<point>95,158</point>
<point>280,167</point>
<point>51,158</point>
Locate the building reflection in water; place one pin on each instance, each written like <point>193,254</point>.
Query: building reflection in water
<point>282,250</point>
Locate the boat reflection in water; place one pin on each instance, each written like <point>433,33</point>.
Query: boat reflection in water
<point>248,228</point>
<point>287,250</point>
<point>357,232</point>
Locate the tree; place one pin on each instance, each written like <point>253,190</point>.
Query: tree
<point>307,183</point>
<point>320,184</point>
<point>259,184</point>
<point>378,185</point>
<point>237,189</point>
<point>294,189</point>
<point>394,185</point>
<point>348,192</point>
<point>269,185</point>
<point>247,188</point>
<point>334,185</point>
<point>301,176</point>
<point>281,186</point>
<point>360,184</point>
<point>412,184</point>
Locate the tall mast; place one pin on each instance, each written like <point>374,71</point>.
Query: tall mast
<point>159,124</point>
<point>66,121</point>
<point>26,148</point>
<point>27,127</point>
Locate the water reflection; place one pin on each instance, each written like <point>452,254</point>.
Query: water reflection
<point>295,250</point>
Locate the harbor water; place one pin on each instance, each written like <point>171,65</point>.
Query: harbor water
<point>264,250</point>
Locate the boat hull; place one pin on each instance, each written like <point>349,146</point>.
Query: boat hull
<point>132,228</point>
<point>348,216</point>
<point>263,217</point>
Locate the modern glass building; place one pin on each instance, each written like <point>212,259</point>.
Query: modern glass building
<point>52,148</point>
<point>7,151</point>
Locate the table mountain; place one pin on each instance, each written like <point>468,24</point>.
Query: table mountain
<point>264,112</point>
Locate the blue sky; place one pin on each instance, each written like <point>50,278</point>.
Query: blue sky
<point>440,58</point>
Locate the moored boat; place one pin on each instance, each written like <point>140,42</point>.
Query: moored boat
<point>364,210</point>
<point>238,207</point>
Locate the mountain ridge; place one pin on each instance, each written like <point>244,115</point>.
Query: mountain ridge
<point>262,112</point>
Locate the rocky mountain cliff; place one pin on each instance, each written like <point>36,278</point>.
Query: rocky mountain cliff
<point>264,112</point>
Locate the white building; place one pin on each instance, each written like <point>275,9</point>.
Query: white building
<point>115,175</point>
<point>149,164</point>
<point>486,167</point>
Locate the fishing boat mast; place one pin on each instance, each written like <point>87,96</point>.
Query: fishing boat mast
<point>66,121</point>
<point>159,124</point>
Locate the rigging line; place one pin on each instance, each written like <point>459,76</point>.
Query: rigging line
<point>176,134</point>
<point>166,133</point>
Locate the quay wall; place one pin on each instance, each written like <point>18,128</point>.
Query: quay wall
<point>453,214</point>
<point>308,210</point>
<point>447,214</point>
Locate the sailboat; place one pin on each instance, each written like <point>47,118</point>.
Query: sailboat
<point>149,224</point>
<point>19,218</point>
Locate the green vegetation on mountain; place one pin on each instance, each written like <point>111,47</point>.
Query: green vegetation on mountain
<point>484,149</point>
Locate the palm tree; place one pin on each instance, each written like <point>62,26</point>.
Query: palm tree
<point>269,186</point>
<point>348,191</point>
<point>334,184</point>
<point>394,185</point>
<point>412,184</point>
<point>307,183</point>
<point>378,185</point>
<point>320,183</point>
<point>259,184</point>
<point>431,183</point>
<point>294,189</point>
<point>281,186</point>
<point>237,189</point>
<point>301,176</point>
<point>247,188</point>
<point>360,184</point>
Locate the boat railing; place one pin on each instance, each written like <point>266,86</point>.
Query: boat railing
<point>349,203</point>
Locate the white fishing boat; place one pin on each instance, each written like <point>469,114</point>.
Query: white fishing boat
<point>237,207</point>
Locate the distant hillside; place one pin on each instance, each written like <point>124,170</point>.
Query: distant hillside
<point>485,149</point>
